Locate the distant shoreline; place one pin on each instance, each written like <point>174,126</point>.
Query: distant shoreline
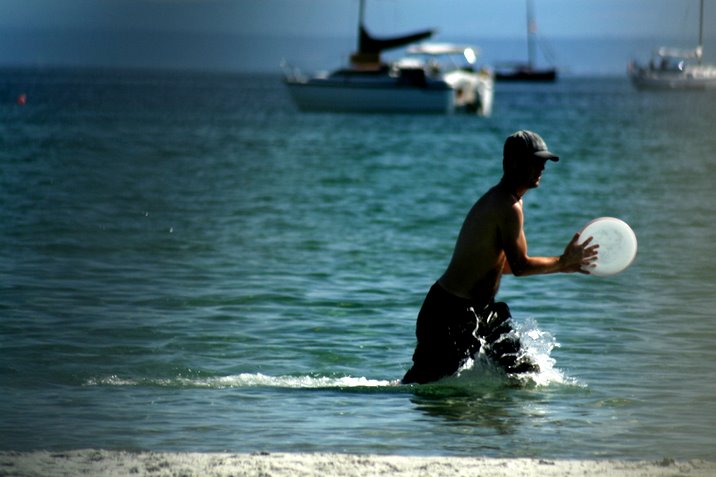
<point>156,464</point>
<point>190,71</point>
<point>578,56</point>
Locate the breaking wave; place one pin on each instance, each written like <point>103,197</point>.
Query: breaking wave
<point>248,380</point>
<point>537,345</point>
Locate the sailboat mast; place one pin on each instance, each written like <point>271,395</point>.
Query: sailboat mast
<point>531,27</point>
<point>361,17</point>
<point>701,31</point>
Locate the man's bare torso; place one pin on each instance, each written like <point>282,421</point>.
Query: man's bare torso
<point>478,260</point>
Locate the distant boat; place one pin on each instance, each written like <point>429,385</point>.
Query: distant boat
<point>473,88</point>
<point>526,71</point>
<point>676,69</point>
<point>406,86</point>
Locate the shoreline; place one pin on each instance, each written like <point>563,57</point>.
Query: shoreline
<point>105,463</point>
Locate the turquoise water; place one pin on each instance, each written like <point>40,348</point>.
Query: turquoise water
<point>188,263</point>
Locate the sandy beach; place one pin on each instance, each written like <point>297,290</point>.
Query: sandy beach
<point>101,463</point>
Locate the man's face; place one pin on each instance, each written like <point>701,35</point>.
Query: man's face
<point>531,171</point>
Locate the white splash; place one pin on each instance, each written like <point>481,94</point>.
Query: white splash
<point>298,382</point>
<point>245,380</point>
<point>537,346</point>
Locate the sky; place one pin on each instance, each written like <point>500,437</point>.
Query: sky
<point>144,32</point>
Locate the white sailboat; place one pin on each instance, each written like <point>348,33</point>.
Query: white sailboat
<point>368,84</point>
<point>672,68</point>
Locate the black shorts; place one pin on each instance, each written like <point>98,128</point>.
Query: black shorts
<point>451,330</point>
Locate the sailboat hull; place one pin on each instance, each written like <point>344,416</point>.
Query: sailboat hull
<point>371,96</point>
<point>527,74</point>
<point>696,77</point>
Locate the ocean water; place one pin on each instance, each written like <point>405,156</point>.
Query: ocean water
<point>190,264</point>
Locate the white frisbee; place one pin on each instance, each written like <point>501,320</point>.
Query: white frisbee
<point>617,245</point>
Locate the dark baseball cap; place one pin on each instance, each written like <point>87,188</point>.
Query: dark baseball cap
<point>527,144</point>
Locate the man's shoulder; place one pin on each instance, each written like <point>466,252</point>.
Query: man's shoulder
<point>502,201</point>
<point>494,210</point>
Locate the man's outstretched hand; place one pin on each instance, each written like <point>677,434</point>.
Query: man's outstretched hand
<point>578,257</point>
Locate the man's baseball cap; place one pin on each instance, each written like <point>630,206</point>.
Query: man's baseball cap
<point>527,144</point>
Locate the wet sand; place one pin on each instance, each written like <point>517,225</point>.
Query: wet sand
<point>101,463</point>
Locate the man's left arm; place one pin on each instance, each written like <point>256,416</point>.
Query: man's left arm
<point>519,263</point>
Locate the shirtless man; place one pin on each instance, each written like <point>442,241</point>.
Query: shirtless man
<point>459,315</point>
